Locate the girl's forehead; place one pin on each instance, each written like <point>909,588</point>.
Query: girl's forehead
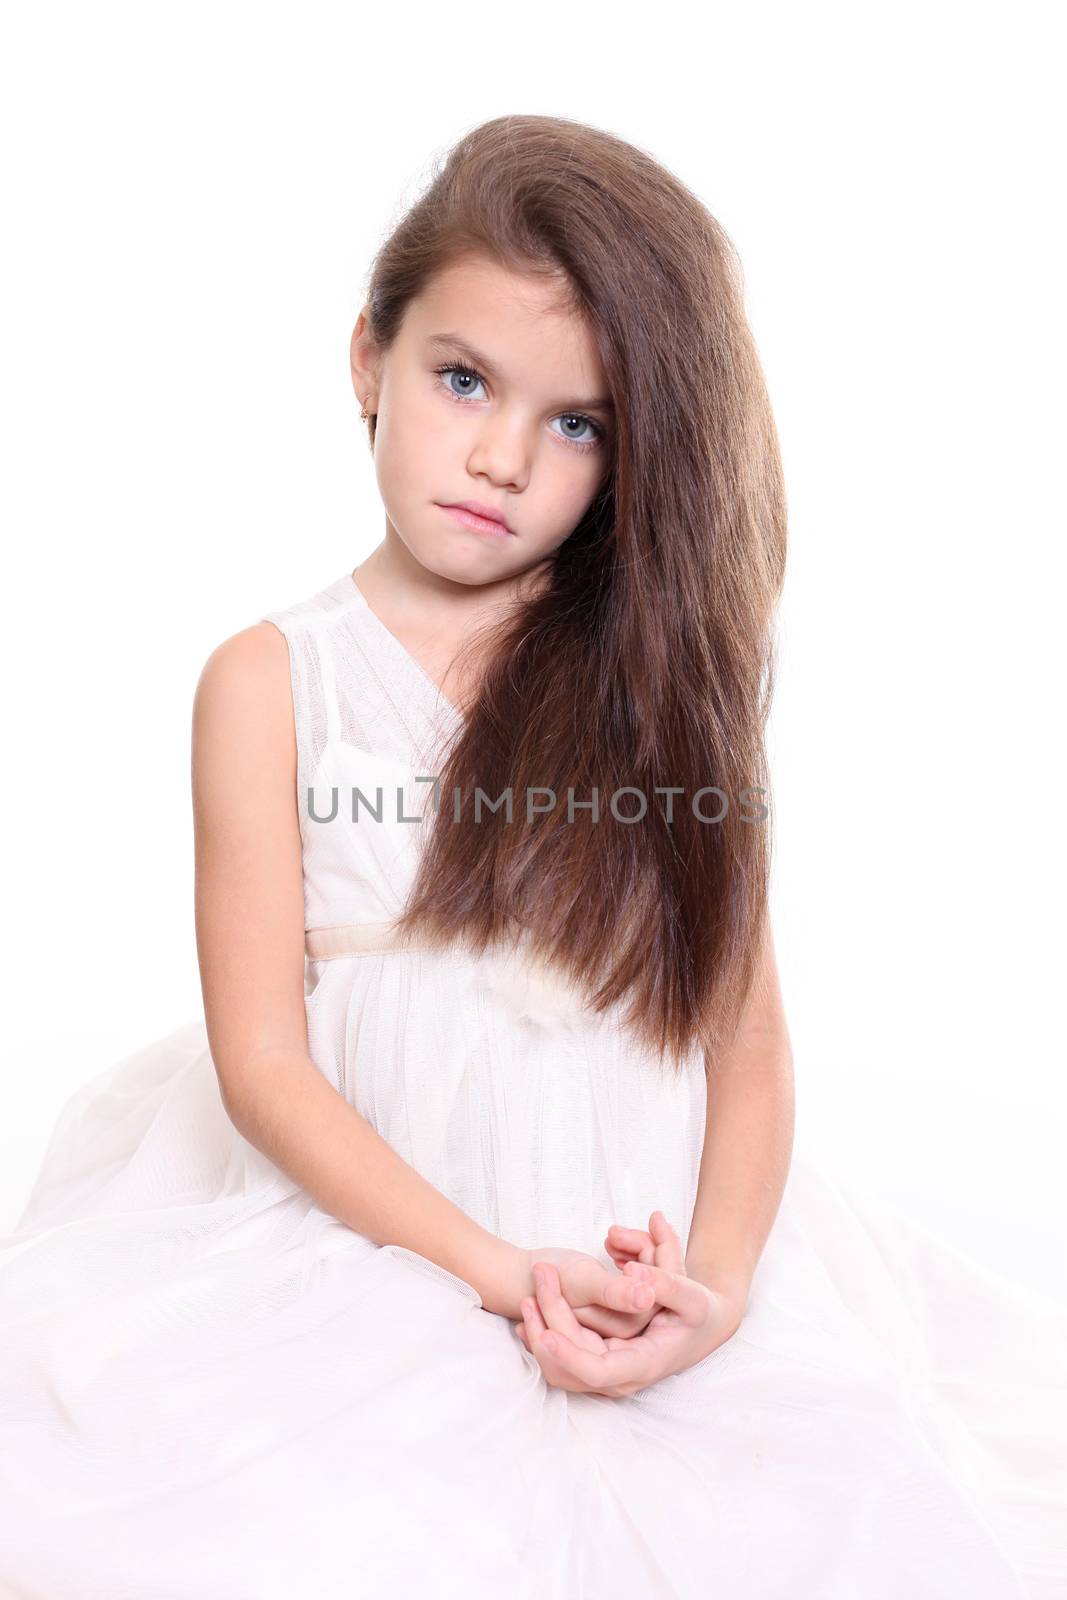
<point>510,328</point>
<point>476,284</point>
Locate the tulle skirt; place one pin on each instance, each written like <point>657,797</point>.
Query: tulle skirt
<point>211,1388</point>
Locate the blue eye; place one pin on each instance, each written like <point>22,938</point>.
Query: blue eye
<point>471,378</point>
<point>584,422</point>
<point>466,372</point>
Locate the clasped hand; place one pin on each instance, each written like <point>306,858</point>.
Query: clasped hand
<point>593,1331</point>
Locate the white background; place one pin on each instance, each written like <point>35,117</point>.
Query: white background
<point>192,196</point>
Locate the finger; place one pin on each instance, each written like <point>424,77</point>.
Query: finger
<point>623,1324</point>
<point>587,1322</point>
<point>619,1293</point>
<point>669,1252</point>
<point>536,1329</point>
<point>628,1238</point>
<point>629,1244</point>
<point>522,1330</point>
<point>594,1285</point>
<point>533,1322</point>
<point>553,1304</point>
<point>638,1244</point>
<point>625,1363</point>
<point>673,1290</point>
<point>627,1302</point>
<point>621,1257</point>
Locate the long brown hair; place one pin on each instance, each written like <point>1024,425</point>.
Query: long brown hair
<point>647,660</point>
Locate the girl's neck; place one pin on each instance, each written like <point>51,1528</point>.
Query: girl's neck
<point>435,618</point>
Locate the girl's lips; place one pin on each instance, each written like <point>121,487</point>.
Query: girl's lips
<point>480,524</point>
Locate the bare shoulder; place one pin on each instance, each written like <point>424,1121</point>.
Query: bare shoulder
<point>249,666</point>
<point>243,700</point>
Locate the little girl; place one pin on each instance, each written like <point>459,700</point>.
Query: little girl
<point>459,1249</point>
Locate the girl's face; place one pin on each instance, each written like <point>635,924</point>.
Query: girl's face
<point>526,432</point>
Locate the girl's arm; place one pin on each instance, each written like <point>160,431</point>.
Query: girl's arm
<point>250,943</point>
<point>748,1142</point>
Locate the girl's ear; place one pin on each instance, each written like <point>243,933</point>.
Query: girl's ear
<point>362,359</point>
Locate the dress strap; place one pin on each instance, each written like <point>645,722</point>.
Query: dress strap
<point>354,939</point>
<point>324,647</point>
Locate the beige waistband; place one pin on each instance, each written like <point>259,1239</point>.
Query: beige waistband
<point>354,939</point>
<point>531,988</point>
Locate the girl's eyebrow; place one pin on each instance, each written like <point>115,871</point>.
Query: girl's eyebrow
<point>448,342</point>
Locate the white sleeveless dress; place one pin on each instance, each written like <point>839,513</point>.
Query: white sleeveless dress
<point>211,1389</point>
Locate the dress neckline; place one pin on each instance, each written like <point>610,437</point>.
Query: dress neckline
<point>402,654</point>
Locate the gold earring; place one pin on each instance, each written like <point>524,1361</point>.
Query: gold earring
<point>363,410</point>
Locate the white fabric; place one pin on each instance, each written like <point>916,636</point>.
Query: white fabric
<point>213,1390</point>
